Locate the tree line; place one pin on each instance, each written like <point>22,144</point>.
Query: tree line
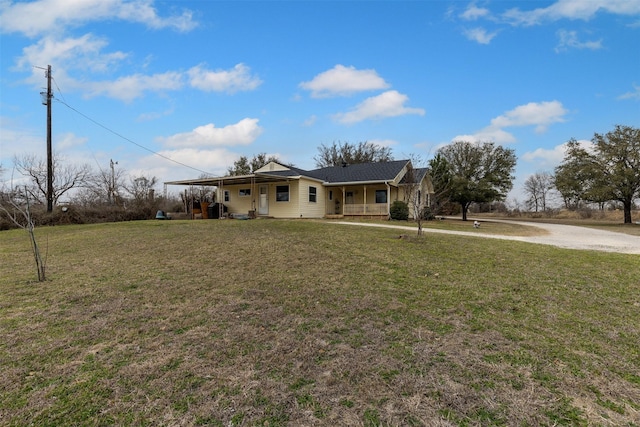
<point>607,169</point>
<point>462,173</point>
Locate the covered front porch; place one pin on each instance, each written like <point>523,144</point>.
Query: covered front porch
<point>359,200</point>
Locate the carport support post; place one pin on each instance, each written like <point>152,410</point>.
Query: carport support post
<point>220,200</point>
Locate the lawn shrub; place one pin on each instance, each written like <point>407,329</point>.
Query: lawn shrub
<point>399,211</point>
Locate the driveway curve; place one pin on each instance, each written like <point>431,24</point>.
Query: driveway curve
<point>562,236</point>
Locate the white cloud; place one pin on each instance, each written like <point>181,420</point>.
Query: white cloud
<point>82,54</point>
<point>550,158</point>
<point>17,138</point>
<point>86,54</point>
<point>480,35</point>
<point>387,104</point>
<point>69,140</point>
<point>238,78</point>
<point>634,94</point>
<point>212,161</point>
<point>569,39</point>
<point>343,81</point>
<point>498,136</point>
<point>472,12</point>
<point>42,16</point>
<point>538,114</point>
<point>310,121</point>
<point>242,133</point>
<point>543,157</point>
<point>128,88</point>
<point>571,9</point>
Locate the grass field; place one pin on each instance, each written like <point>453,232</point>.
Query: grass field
<point>301,323</point>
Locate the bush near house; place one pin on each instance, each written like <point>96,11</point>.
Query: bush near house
<point>399,211</point>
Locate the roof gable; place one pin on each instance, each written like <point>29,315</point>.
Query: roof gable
<point>271,167</point>
<point>419,174</point>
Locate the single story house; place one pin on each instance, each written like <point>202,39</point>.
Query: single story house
<point>282,191</point>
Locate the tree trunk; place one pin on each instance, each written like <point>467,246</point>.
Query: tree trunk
<point>627,211</point>
<point>34,245</point>
<point>465,208</point>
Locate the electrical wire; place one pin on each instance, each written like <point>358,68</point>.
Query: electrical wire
<point>129,140</point>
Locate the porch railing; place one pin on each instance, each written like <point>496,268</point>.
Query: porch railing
<point>366,209</point>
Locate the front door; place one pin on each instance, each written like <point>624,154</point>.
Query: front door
<point>263,200</point>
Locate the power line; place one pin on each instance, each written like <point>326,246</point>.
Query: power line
<point>129,140</point>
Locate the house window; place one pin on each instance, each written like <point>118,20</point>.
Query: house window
<point>381,196</point>
<point>312,194</point>
<point>330,194</point>
<point>282,193</point>
<point>349,197</point>
<point>227,195</point>
<point>243,192</point>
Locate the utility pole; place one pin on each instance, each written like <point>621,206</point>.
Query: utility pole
<point>49,150</point>
<point>112,184</point>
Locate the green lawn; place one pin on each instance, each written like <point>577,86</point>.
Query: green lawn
<point>270,322</point>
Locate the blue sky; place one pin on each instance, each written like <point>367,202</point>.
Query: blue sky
<point>204,82</point>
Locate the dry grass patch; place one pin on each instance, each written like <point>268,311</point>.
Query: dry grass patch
<point>304,323</point>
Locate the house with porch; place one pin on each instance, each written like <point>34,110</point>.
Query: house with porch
<point>281,191</point>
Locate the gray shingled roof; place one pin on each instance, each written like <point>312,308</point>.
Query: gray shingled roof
<point>362,172</point>
<point>382,171</point>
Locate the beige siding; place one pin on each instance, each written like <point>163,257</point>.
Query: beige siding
<point>238,203</point>
<point>288,209</point>
<point>310,209</point>
<point>272,166</point>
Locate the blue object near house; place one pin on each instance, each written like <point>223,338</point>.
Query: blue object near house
<point>161,215</point>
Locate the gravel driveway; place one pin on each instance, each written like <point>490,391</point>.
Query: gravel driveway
<point>563,236</point>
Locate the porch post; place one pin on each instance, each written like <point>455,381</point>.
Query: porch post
<point>253,193</point>
<point>344,198</point>
<point>220,200</point>
<point>365,200</point>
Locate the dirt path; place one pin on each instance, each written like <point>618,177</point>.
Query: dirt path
<point>563,236</point>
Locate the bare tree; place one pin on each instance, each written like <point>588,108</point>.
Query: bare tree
<point>415,195</point>
<point>537,187</point>
<point>363,152</point>
<point>65,176</point>
<point>20,214</point>
<point>141,188</point>
<point>203,193</point>
<point>110,182</point>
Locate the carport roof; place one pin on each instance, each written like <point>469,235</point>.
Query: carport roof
<point>240,179</point>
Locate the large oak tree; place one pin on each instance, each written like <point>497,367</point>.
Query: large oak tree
<point>480,172</point>
<point>607,170</point>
